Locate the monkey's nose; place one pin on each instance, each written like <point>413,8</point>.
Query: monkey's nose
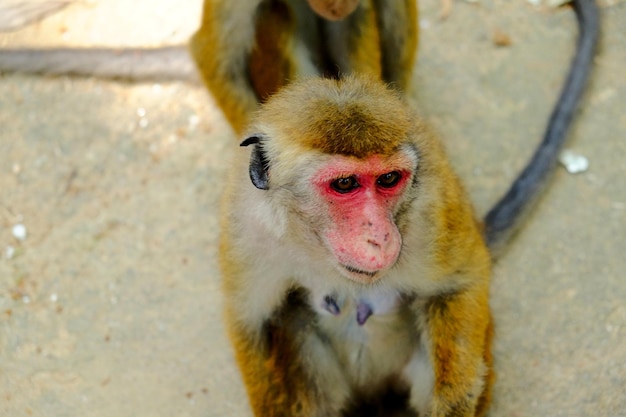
<point>378,249</point>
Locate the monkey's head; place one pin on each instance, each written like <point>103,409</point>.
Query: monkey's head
<point>338,160</point>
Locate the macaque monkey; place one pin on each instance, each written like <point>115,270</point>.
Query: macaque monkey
<point>355,274</point>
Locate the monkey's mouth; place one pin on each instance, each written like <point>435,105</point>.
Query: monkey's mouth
<point>359,271</point>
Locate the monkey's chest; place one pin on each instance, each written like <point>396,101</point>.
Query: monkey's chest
<point>371,335</point>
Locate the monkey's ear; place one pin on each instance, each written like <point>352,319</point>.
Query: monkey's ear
<point>259,165</point>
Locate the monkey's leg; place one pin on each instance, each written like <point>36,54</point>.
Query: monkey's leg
<point>353,45</point>
<point>287,369</point>
<point>458,332</point>
<point>378,39</point>
<point>398,25</point>
<point>221,48</point>
<point>272,63</point>
<point>245,52</point>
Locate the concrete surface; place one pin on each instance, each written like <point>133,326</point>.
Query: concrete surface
<point>110,306</point>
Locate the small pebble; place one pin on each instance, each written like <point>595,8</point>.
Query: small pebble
<point>9,252</point>
<point>573,162</point>
<point>500,38</point>
<point>19,231</point>
<point>194,120</point>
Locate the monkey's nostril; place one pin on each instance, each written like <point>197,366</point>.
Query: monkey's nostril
<point>373,243</point>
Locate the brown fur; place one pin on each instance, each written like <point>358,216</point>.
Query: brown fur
<point>353,128</point>
<point>225,78</point>
<point>365,45</point>
<point>269,66</point>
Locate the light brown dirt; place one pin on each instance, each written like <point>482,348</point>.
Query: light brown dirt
<point>111,306</point>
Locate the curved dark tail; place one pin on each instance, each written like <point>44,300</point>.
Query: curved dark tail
<point>502,220</point>
<point>141,64</point>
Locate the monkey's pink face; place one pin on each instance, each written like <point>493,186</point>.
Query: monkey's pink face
<point>361,197</point>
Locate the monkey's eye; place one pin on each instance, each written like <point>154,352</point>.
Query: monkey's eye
<point>344,185</point>
<point>389,180</point>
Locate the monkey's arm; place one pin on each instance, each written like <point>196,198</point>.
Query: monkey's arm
<point>134,64</point>
<point>454,322</point>
<point>457,331</point>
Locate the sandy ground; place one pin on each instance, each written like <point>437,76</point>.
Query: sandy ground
<point>110,306</point>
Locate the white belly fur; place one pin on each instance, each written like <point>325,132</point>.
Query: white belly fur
<point>376,351</point>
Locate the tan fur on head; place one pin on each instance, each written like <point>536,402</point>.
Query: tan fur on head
<point>333,9</point>
<point>355,116</point>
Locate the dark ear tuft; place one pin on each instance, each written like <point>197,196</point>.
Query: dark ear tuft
<point>252,140</point>
<point>259,165</point>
